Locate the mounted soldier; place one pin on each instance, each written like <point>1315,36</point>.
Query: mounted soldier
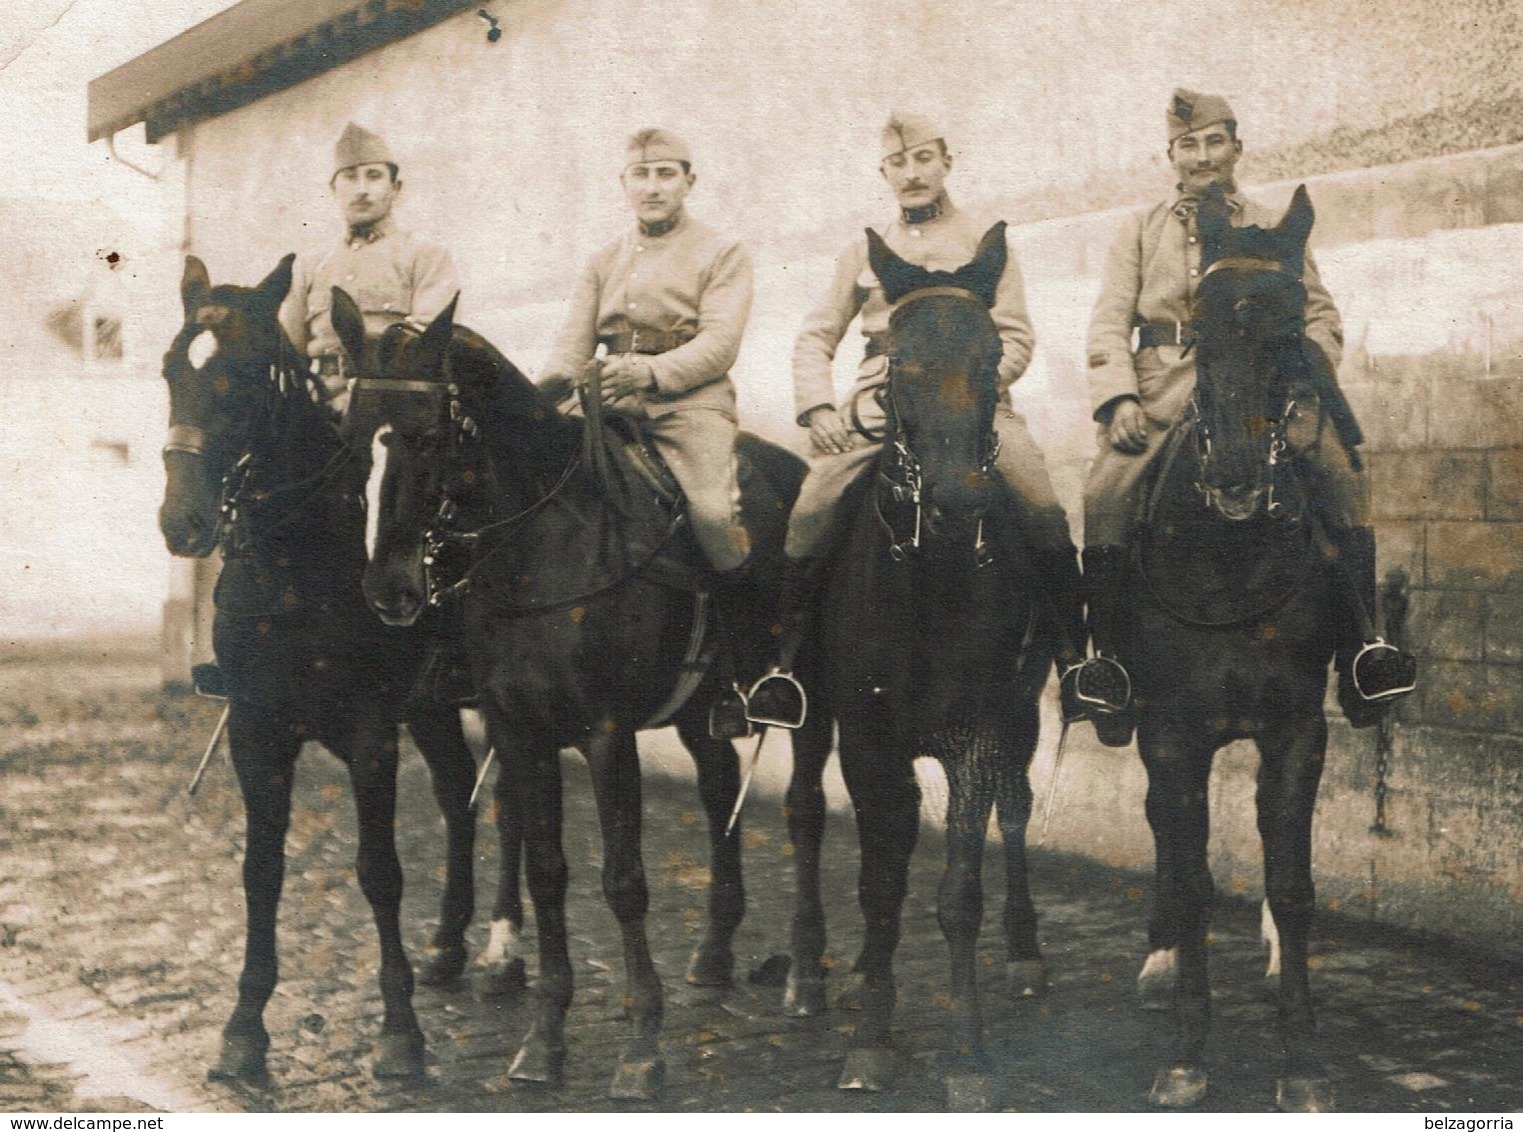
<point>1138,394</point>
<point>928,231</point>
<point>669,301</point>
<point>392,276</point>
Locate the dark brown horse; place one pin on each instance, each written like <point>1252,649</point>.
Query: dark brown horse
<point>934,646</point>
<point>580,626</point>
<point>254,464</point>
<point>1236,617</point>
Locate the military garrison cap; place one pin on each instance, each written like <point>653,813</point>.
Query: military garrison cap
<point>906,131</point>
<point>1189,111</point>
<point>358,146</point>
<point>656,144</point>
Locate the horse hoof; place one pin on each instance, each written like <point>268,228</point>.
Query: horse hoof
<point>970,1092</point>
<point>868,1070</point>
<point>1304,1094</point>
<point>638,1079</point>
<point>1026,978</point>
<point>1156,981</point>
<point>242,1059</point>
<point>1183,1086</point>
<point>711,967</point>
<point>503,979</point>
<point>849,997</point>
<point>538,1063</point>
<point>805,998</point>
<point>401,1057</point>
<point>442,966</point>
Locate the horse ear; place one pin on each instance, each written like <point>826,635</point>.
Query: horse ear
<point>195,285</point>
<point>983,273</point>
<point>435,340</point>
<point>348,324</point>
<point>272,289</point>
<point>1214,222</point>
<point>1295,228</point>
<point>898,276</point>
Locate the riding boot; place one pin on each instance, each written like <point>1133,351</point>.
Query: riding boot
<point>1371,672</point>
<point>1100,689</point>
<point>732,601</point>
<point>778,699</point>
<point>1057,570</point>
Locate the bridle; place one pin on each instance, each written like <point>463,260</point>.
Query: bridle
<point>900,481</point>
<point>1216,498</point>
<point>284,378</point>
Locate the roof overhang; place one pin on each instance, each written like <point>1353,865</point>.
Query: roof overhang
<point>239,56</point>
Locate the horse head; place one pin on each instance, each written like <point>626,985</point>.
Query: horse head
<point>1249,330</point>
<point>223,369</point>
<point>942,383</point>
<point>419,396</point>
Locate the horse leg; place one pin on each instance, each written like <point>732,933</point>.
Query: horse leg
<point>502,961</point>
<point>371,755</point>
<point>264,754</point>
<point>437,732</point>
<point>713,962</point>
<point>887,802</point>
<point>1160,971</point>
<point>615,767</point>
<point>534,774</point>
<point>1178,812</point>
<point>805,808</point>
<point>1290,771</point>
<point>972,786</point>
<point>1025,969</point>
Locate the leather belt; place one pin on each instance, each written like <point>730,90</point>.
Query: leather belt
<point>643,341</point>
<point>1160,334</point>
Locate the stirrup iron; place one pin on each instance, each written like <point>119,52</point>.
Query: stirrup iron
<point>1100,686</point>
<point>1398,678</point>
<point>729,715</point>
<point>784,703</point>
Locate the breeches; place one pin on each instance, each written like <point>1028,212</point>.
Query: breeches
<point>1020,463</point>
<point>698,446</point>
<point>1113,493</point>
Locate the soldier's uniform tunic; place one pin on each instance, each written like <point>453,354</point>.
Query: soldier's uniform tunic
<point>389,274</point>
<point>944,243</point>
<point>1151,274</point>
<point>680,299</point>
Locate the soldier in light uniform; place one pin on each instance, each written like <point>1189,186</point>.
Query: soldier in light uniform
<point>392,276</point>
<point>931,232</point>
<point>1137,394</point>
<point>669,300</point>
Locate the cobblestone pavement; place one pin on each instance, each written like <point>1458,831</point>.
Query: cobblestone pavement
<point>121,934</point>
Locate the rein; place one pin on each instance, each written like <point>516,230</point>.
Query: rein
<point>438,536</point>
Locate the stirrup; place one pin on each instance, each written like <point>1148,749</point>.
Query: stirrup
<point>729,715</point>
<point>1381,671</point>
<point>1096,686</point>
<point>778,700</point>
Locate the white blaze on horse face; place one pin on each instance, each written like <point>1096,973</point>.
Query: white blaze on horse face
<point>378,452</point>
<point>202,348</point>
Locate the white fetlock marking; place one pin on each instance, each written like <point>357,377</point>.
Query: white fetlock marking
<point>378,451</point>
<point>502,945</point>
<point>1159,964</point>
<point>1271,936</point>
